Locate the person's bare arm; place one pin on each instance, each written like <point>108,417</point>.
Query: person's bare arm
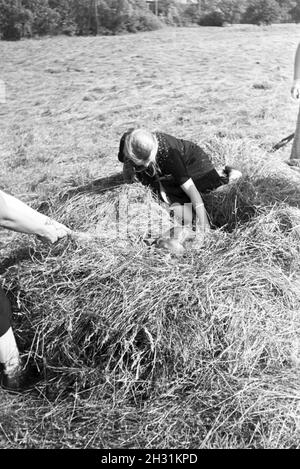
<point>192,192</point>
<point>295,91</point>
<point>18,216</point>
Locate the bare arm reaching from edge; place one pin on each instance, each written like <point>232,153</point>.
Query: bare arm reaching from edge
<point>18,216</point>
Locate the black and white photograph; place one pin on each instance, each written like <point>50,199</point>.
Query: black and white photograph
<point>149,227</point>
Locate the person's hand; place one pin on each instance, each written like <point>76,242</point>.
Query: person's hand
<point>170,244</point>
<point>185,234</point>
<point>202,233</point>
<point>199,240</point>
<point>295,90</point>
<point>203,230</point>
<point>53,231</point>
<point>82,237</point>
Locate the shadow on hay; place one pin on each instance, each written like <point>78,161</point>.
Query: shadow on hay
<point>19,255</point>
<point>232,207</point>
<point>239,203</point>
<point>97,186</point>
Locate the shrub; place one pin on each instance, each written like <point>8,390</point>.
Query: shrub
<point>287,7</point>
<point>218,12</point>
<point>232,10</point>
<point>116,16</point>
<point>191,14</point>
<point>143,22</point>
<point>215,18</point>
<point>69,28</point>
<point>45,20</point>
<point>171,12</point>
<point>66,22</point>
<point>295,12</point>
<point>266,12</point>
<point>15,19</point>
<point>82,17</point>
<point>23,18</point>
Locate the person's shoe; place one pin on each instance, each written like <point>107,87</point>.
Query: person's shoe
<point>229,173</point>
<point>20,379</point>
<point>223,171</point>
<point>294,163</point>
<point>233,174</point>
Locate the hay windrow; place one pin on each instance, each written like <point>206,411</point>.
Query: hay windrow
<point>117,316</point>
<point>112,315</point>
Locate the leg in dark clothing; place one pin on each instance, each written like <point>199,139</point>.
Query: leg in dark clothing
<point>5,313</point>
<point>210,182</point>
<point>9,353</point>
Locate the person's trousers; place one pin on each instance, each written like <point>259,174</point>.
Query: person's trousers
<point>5,313</point>
<point>295,153</point>
<point>9,352</point>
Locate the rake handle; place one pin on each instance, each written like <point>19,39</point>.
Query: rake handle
<point>283,142</point>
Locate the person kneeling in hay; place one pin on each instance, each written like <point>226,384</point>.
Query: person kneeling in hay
<point>178,170</point>
<point>16,215</point>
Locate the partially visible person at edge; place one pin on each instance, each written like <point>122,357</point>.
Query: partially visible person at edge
<point>295,91</point>
<point>178,170</point>
<point>17,216</point>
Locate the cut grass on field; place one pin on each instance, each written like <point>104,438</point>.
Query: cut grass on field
<point>138,348</point>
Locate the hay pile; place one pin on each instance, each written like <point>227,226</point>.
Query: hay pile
<point>139,348</point>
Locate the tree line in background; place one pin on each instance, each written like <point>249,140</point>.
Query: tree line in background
<point>29,18</point>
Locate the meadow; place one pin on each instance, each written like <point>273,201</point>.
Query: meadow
<point>138,348</point>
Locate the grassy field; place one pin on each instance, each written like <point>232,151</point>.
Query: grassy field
<point>139,349</point>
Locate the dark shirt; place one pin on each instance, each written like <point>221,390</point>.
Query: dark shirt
<point>176,158</point>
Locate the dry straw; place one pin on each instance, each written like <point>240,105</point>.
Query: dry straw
<point>122,325</point>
